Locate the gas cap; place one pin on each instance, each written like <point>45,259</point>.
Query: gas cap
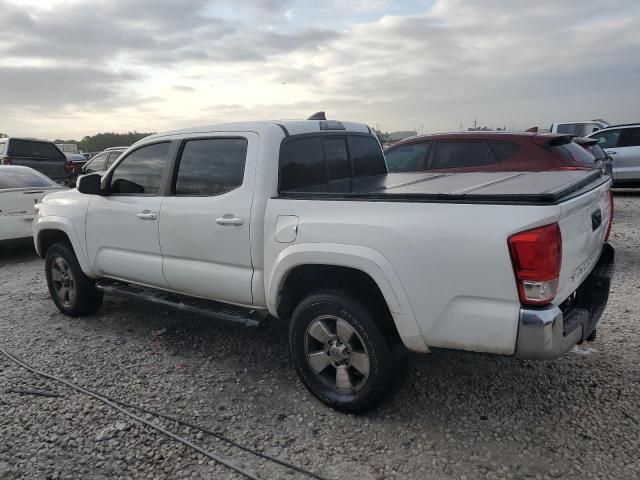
<point>286,228</point>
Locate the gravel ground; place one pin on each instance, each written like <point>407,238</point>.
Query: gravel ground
<point>459,415</point>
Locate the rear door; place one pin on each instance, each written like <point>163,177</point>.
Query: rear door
<point>44,157</point>
<point>628,152</point>
<point>207,252</point>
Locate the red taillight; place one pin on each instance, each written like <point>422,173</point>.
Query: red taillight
<point>536,256</point>
<point>606,235</point>
<point>573,168</point>
<point>6,160</point>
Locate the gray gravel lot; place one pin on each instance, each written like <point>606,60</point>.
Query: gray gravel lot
<point>459,415</point>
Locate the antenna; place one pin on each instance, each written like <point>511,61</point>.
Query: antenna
<point>318,116</point>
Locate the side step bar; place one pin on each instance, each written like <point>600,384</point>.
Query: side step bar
<point>208,308</point>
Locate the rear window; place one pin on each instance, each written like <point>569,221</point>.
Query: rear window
<point>367,157</point>
<point>573,151</point>
<point>320,161</point>
<point>302,164</point>
<point>35,149</point>
<point>457,154</point>
<point>10,178</point>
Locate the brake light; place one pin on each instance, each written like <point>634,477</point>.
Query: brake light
<point>606,235</point>
<point>536,256</point>
<point>6,160</point>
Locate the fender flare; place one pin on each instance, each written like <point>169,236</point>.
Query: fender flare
<point>368,261</point>
<point>65,226</point>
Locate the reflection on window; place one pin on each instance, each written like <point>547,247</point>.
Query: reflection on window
<point>141,172</point>
<point>211,166</point>
<point>408,158</point>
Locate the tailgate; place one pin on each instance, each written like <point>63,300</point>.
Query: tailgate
<point>583,223</point>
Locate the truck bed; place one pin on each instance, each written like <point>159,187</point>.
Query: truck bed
<point>513,188</point>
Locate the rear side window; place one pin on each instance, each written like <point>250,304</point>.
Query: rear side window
<point>11,178</point>
<point>302,164</point>
<point>573,151</point>
<point>366,156</point>
<point>629,137</point>
<point>211,166</point>
<point>608,138</point>
<point>408,158</point>
<point>457,154</point>
<point>503,149</point>
<point>571,128</point>
<point>34,149</point>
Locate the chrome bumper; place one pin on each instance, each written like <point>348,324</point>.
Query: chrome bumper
<point>548,332</point>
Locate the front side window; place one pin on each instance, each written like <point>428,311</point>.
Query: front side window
<point>608,138</point>
<point>457,154</point>
<point>408,158</point>
<point>211,166</point>
<point>629,137</point>
<point>96,164</point>
<point>140,173</point>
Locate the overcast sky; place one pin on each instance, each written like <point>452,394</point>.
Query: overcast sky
<point>75,68</point>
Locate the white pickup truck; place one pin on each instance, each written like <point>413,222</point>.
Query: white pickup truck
<point>299,221</point>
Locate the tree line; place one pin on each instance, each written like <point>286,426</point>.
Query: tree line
<point>100,141</point>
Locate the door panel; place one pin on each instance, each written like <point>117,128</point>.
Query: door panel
<point>122,245</point>
<point>207,252</point>
<point>628,155</point>
<point>122,228</point>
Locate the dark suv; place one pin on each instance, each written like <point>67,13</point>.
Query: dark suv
<point>41,155</point>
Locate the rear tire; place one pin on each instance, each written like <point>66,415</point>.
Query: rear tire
<point>71,290</point>
<point>340,353</point>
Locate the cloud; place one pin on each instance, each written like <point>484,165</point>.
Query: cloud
<point>446,62</point>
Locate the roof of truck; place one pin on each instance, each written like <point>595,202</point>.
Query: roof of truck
<point>288,127</point>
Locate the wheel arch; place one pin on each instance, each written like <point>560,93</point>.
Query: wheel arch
<point>304,268</point>
<point>47,232</point>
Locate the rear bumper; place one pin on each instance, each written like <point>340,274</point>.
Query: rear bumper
<point>546,333</point>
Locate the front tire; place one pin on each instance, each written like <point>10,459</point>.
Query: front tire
<point>340,352</point>
<point>71,290</point>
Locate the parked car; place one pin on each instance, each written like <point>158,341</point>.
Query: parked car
<point>41,155</point>
<point>487,152</point>
<point>622,143</point>
<point>601,159</point>
<point>20,189</point>
<point>103,160</point>
<point>579,129</point>
<point>300,221</point>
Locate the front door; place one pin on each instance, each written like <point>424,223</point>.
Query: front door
<point>204,232</point>
<point>122,227</point>
<point>628,155</point>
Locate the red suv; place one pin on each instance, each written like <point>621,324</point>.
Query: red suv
<point>487,152</point>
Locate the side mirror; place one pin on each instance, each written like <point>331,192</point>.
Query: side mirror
<point>90,184</point>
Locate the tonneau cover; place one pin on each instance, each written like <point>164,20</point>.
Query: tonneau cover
<point>539,188</point>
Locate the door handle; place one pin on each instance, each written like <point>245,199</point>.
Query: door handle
<point>229,220</point>
<point>611,153</point>
<point>146,215</point>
